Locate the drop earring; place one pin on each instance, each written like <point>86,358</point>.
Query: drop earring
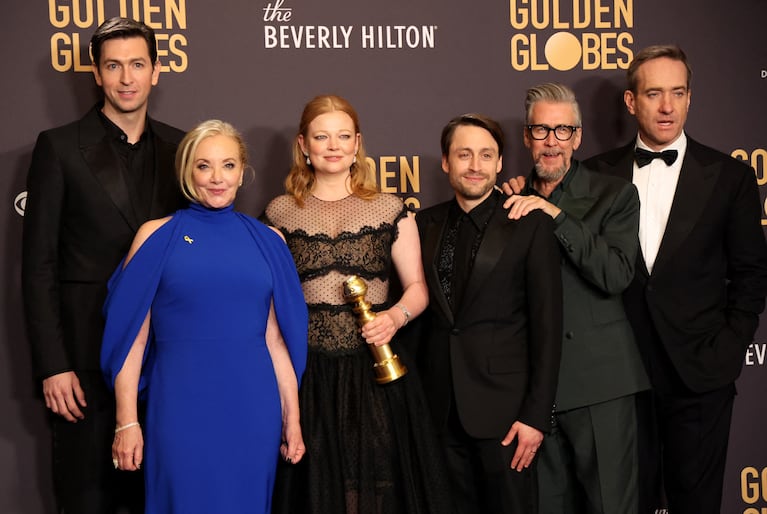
<point>308,161</point>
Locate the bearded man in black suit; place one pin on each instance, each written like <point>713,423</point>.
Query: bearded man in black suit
<point>91,184</point>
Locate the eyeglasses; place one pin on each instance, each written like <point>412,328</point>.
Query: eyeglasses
<point>561,132</point>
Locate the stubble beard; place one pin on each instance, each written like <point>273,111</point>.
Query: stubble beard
<point>472,193</point>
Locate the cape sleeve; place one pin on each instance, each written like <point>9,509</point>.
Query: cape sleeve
<point>289,303</point>
<point>130,292</point>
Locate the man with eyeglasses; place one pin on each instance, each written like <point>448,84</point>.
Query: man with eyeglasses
<point>588,461</point>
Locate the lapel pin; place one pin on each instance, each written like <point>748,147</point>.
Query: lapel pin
<point>188,239</point>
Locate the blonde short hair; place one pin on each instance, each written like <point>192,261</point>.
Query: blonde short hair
<point>188,148</point>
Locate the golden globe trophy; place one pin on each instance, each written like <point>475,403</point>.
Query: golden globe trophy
<point>387,366</point>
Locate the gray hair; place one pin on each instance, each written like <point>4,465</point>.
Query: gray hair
<point>551,92</point>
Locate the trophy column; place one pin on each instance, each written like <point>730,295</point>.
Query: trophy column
<point>387,365</point>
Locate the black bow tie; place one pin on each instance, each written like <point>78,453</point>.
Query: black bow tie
<point>645,157</point>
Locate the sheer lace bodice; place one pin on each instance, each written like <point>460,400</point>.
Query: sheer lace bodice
<point>330,241</point>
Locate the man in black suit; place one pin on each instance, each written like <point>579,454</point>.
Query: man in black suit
<point>91,184</point>
<point>588,463</point>
<point>699,288</point>
<point>490,341</point>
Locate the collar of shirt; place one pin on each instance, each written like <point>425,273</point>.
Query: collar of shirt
<point>116,134</point>
<point>480,214</point>
<point>679,144</point>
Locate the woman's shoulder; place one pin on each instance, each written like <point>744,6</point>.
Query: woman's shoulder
<point>261,225</point>
<point>151,226</point>
<point>388,206</point>
<point>282,201</point>
<point>387,201</point>
<point>279,207</point>
<point>144,232</point>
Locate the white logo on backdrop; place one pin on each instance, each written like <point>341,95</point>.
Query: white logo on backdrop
<point>280,33</point>
<point>20,203</point>
<point>276,12</point>
<point>756,354</point>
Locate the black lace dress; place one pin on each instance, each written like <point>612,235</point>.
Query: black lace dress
<point>371,448</point>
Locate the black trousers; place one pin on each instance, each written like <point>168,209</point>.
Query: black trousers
<point>682,435</point>
<point>84,478</point>
<point>683,449</point>
<point>481,478</point>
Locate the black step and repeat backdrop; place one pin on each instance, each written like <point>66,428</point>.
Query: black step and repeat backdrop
<point>408,66</point>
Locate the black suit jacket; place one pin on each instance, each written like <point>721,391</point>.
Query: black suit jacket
<point>709,279</point>
<point>500,353</point>
<point>78,225</point>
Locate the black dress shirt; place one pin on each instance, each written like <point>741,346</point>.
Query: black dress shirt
<point>469,229</point>
<point>136,164</point>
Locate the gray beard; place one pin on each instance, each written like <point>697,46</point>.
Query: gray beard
<point>549,176</point>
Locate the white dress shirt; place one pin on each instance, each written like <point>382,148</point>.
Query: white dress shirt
<point>656,183</point>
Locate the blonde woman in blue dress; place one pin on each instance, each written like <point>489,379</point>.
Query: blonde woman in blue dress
<point>206,319</point>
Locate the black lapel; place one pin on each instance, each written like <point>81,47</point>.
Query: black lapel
<point>696,182</point>
<point>494,242</point>
<point>100,159</point>
<point>165,185</point>
<point>431,244</point>
<point>577,199</point>
<point>624,166</point>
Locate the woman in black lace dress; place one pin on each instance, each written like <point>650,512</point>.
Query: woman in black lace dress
<point>371,448</point>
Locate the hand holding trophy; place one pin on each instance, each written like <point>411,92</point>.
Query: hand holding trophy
<point>387,366</point>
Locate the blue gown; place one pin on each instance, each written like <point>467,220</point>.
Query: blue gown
<point>213,424</point>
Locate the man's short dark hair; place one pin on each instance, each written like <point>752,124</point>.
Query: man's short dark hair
<point>122,28</point>
<point>656,52</point>
<point>474,120</point>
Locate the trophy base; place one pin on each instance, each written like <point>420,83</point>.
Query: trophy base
<point>389,370</point>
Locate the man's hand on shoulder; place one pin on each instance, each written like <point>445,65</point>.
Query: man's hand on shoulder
<point>520,206</point>
<point>64,396</point>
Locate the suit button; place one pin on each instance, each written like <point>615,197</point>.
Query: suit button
<point>569,335</point>
<point>455,332</point>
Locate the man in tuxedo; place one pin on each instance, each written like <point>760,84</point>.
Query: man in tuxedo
<point>91,184</point>
<point>588,463</point>
<point>700,284</point>
<point>490,343</point>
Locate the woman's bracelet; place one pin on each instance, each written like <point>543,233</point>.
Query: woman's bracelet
<point>120,429</point>
<point>404,311</point>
